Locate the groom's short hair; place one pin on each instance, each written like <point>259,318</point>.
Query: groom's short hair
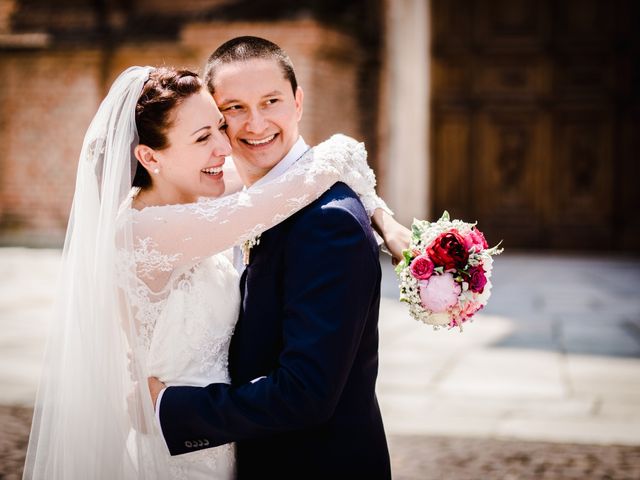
<point>242,49</point>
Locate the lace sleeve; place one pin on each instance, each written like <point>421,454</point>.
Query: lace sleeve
<point>172,236</point>
<point>360,177</point>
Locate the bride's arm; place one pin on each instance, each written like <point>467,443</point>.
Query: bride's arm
<point>395,235</point>
<point>178,235</point>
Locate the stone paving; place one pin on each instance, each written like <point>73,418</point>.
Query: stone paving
<point>420,457</point>
<point>544,384</point>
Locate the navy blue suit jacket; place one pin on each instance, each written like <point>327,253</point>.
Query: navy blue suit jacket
<point>309,324</point>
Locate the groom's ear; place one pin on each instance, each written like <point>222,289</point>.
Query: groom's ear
<point>299,97</point>
<point>145,155</point>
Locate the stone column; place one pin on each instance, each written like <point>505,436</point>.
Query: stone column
<point>404,120</point>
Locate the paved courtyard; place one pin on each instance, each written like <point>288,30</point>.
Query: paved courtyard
<point>544,384</point>
<point>554,357</point>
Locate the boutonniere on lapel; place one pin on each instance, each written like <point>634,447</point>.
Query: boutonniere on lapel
<point>247,245</point>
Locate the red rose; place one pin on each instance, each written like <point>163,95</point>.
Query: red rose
<point>477,279</point>
<point>475,238</point>
<point>421,267</point>
<point>448,251</point>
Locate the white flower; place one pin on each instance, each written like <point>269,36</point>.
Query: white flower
<point>247,245</point>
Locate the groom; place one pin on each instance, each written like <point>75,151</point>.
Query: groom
<point>304,356</point>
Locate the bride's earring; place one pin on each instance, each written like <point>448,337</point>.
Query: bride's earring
<point>156,171</point>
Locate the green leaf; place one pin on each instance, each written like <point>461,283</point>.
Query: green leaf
<point>445,216</point>
<point>404,263</point>
<point>416,231</point>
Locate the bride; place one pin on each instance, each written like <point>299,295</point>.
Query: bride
<point>147,286</point>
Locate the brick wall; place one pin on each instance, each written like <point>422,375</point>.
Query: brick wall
<point>46,102</point>
<point>48,97</point>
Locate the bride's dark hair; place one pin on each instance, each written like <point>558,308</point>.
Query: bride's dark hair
<point>162,93</point>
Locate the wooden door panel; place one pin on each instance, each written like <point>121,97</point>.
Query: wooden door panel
<point>451,181</point>
<point>450,78</point>
<point>510,25</point>
<point>626,214</point>
<point>511,145</point>
<point>582,178</point>
<point>503,78</point>
<point>452,26</point>
<point>581,77</point>
<point>581,169</point>
<point>585,24</point>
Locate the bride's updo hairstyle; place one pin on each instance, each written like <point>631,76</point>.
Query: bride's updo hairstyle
<point>161,94</point>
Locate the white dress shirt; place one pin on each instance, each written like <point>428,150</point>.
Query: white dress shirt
<point>298,150</point>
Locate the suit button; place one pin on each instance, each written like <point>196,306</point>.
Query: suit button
<point>188,444</point>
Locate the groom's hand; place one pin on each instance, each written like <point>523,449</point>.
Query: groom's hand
<point>155,387</point>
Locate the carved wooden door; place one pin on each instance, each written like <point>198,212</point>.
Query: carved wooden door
<point>535,120</point>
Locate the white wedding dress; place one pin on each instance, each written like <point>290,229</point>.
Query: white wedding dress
<point>186,296</point>
<point>187,330</point>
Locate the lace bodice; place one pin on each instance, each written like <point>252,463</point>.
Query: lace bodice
<point>186,335</point>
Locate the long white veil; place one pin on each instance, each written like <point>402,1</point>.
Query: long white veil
<point>93,417</point>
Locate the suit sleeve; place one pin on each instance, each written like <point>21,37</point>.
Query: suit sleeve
<point>331,275</point>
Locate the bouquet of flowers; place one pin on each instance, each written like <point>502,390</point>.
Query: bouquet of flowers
<point>445,274</point>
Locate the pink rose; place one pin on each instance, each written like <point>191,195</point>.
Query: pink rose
<point>439,292</point>
<point>421,267</point>
<point>477,279</point>
<point>475,238</point>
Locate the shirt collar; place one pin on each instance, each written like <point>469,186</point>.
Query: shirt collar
<point>298,150</point>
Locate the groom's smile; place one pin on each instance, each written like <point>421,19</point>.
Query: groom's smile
<point>260,143</point>
<point>261,111</point>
